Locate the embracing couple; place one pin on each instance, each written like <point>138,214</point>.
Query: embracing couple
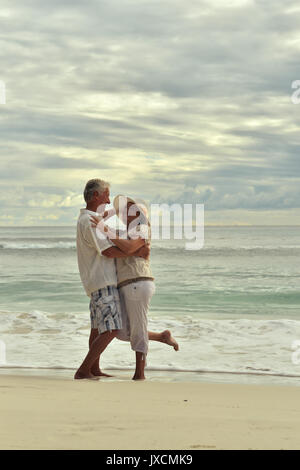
<point>115,271</point>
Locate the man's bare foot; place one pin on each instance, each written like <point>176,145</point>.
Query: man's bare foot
<point>167,338</point>
<point>84,375</point>
<point>99,373</point>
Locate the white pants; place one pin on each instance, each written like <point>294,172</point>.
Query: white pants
<point>135,300</point>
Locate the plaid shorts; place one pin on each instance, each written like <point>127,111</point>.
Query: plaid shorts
<point>105,309</point>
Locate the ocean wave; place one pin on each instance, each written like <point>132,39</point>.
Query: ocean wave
<point>47,245</point>
<point>188,321</point>
<point>158,246</point>
<point>231,251</point>
<point>229,347</point>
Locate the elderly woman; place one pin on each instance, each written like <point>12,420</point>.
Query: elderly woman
<point>135,279</point>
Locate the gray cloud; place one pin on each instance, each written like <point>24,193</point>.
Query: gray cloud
<point>170,100</point>
<point>59,162</point>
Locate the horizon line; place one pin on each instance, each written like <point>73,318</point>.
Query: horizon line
<point>171,226</point>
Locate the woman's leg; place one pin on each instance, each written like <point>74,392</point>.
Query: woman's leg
<point>139,334</point>
<point>164,337</point>
<point>137,298</point>
<point>140,362</point>
<point>134,304</point>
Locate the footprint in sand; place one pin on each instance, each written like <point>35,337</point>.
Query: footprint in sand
<point>202,446</point>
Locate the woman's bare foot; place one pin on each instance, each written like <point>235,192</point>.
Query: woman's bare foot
<point>138,377</point>
<point>167,338</point>
<point>84,375</point>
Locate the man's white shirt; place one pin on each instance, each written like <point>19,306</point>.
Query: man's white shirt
<point>96,271</point>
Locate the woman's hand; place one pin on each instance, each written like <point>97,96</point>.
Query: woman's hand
<point>98,222</point>
<point>95,220</point>
<point>143,252</point>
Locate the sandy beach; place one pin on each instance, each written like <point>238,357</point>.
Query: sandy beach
<point>59,413</point>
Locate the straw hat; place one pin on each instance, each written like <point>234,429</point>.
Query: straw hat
<point>121,201</point>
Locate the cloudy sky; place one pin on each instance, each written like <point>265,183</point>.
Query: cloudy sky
<point>170,100</point>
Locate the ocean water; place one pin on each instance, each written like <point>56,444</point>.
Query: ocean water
<point>233,306</point>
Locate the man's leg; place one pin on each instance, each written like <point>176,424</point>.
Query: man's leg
<point>105,314</point>
<point>97,347</point>
<point>95,369</point>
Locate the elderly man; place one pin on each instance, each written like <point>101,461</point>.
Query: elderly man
<point>99,277</point>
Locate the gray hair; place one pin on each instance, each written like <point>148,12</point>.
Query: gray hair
<point>92,186</point>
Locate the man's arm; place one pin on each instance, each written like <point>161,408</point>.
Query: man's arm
<point>128,246</point>
<point>92,239</point>
<point>114,252</point>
